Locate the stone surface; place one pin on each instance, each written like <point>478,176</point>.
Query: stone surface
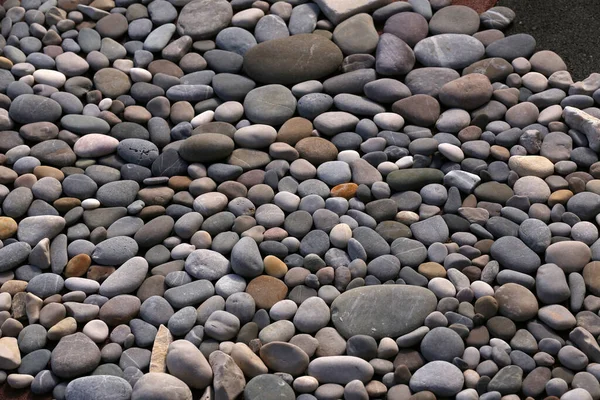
<point>368,302</point>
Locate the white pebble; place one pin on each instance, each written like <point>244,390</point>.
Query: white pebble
<point>348,156</point>
<point>140,75</point>
<point>386,167</point>
<point>123,65</point>
<point>389,121</point>
<point>105,104</point>
<point>405,162</point>
<point>90,204</point>
<point>203,118</point>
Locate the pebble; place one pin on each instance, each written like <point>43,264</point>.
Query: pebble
<point>230,199</point>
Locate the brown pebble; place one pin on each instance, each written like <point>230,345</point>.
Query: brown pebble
<point>43,171</point>
<point>78,266</point>
<point>469,133</point>
<point>266,291</point>
<point>275,267</point>
<point>432,270</point>
<point>65,204</point>
<point>99,272</point>
<point>8,227</point>
<point>13,287</point>
<point>559,197</point>
<point>179,183</point>
<point>151,212</point>
<point>294,130</point>
<point>345,190</point>
<point>152,286</point>
<point>159,196</point>
<point>316,150</point>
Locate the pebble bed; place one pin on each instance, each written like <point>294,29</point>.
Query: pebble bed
<point>336,199</point>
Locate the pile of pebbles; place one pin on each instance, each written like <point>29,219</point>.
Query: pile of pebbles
<point>215,199</point>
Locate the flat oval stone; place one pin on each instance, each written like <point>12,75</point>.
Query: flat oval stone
<point>206,147</point>
<point>468,92</point>
<point>439,377</point>
<point>292,60</point>
<point>414,178</point>
<point>511,47</point>
<point>362,311</point>
<point>454,19</point>
<point>160,386</point>
<point>429,80</point>
<point>516,302</point>
<point>112,82</point>
<point>449,50</point>
<point>571,256</point>
<point>45,108</point>
<point>513,254</point>
<point>340,369</point>
<point>127,278</point>
<point>284,357</point>
<point>270,104</point>
<point>98,387</point>
<point>204,19</point>
<point>74,355</point>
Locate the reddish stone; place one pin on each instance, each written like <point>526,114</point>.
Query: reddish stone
<point>78,265</point>
<point>345,190</point>
<point>266,291</point>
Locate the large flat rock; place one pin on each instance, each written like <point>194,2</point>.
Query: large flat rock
<point>382,311</point>
<point>338,10</point>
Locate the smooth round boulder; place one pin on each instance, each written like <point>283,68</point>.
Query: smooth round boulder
<point>206,147</point>
<point>160,386</point>
<point>74,355</point>
<point>46,109</point>
<point>340,369</point>
<point>468,92</point>
<point>439,377</point>
<point>361,311</point>
<point>292,60</point>
<point>516,302</point>
<point>454,19</point>
<point>98,387</point>
<point>449,50</point>
<point>203,19</point>
<point>270,105</point>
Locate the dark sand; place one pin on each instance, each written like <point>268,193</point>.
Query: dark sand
<point>567,27</point>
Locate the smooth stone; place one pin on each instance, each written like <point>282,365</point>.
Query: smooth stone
<point>349,304</point>
<point>270,104</point>
<point>340,369</point>
<point>449,50</point>
<point>513,254</point>
<point>511,47</point>
<point>127,278</point>
<point>215,15</point>
<point>46,109</point>
<point>284,60</point>
<point>439,377</point>
<point>75,355</point>
<point>516,302</point>
<point>160,386</point>
<point>101,387</point>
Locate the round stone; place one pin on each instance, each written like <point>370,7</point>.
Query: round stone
<point>516,302</point>
<point>270,104</point>
<point>292,60</point>
<point>204,19</point>
<point>449,50</point>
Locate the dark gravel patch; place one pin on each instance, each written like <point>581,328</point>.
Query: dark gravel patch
<point>568,28</point>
